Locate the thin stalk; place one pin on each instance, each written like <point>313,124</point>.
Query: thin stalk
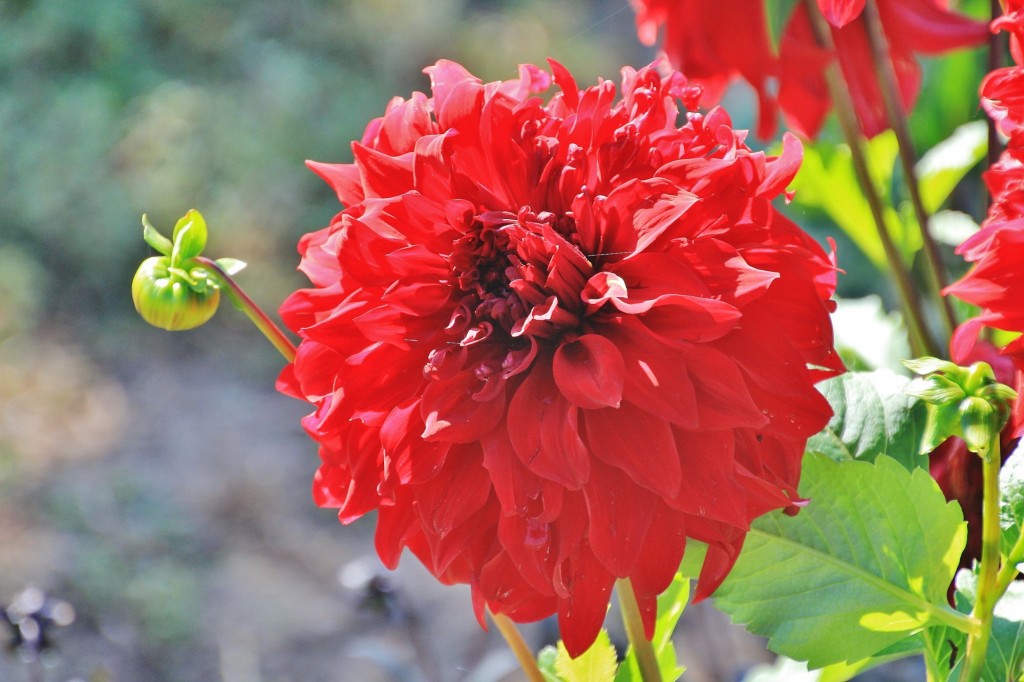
<point>241,300</point>
<point>908,159</point>
<point>988,573</point>
<point>518,645</point>
<point>645,657</point>
<point>920,342</point>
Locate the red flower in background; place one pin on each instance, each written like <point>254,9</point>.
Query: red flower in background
<point>714,42</point>
<point>728,39</point>
<point>550,342</point>
<point>911,27</point>
<point>996,282</point>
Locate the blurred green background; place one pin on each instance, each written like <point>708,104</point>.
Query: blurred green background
<point>155,480</point>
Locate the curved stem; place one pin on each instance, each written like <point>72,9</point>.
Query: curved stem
<point>518,645</point>
<point>920,342</point>
<point>259,318</point>
<point>987,595</point>
<point>645,657</point>
<point>908,159</point>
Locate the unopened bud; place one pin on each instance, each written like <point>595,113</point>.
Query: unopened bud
<point>173,291</point>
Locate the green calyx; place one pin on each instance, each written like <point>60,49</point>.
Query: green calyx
<point>966,402</point>
<point>175,291</point>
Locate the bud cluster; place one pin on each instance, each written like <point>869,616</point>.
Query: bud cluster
<point>966,402</point>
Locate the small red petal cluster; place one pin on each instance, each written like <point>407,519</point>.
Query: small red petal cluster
<point>996,282</point>
<point>549,342</point>
<point>714,41</point>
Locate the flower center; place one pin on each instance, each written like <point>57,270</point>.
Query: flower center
<point>521,275</point>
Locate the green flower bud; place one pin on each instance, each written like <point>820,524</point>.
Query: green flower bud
<point>172,291</point>
<point>978,422</point>
<point>172,299</point>
<point>962,401</point>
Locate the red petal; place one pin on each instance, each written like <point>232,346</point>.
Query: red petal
<point>638,443</point>
<point>590,372</point>
<point>581,614</point>
<point>656,377</point>
<point>542,425</point>
<point>383,175</point>
<point>451,413</point>
<point>620,514</point>
<point>841,12</point>
<point>660,556</point>
<point>343,178</point>
<point>395,525</point>
<point>528,543</point>
<point>708,488</point>
<point>929,27</point>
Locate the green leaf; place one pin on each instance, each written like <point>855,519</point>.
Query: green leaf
<point>866,331</point>
<point>232,266</point>
<point>943,166</point>
<point>596,664</point>
<point>827,182</point>
<point>671,603</point>
<point>1004,658</point>
<point>1011,504</point>
<point>782,670</point>
<point>872,416</point>
<point>189,237</point>
<point>863,566</point>
<point>841,672</point>
<point>156,240</point>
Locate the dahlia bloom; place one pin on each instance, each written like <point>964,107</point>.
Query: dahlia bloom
<point>727,41</point>
<point>550,342</point>
<point>911,27</point>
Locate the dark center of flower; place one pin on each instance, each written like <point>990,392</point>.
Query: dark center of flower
<point>521,276</point>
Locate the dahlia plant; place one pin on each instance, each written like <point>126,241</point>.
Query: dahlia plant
<point>565,341</point>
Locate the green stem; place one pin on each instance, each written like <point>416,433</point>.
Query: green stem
<point>648,662</point>
<point>242,301</point>
<point>518,645</point>
<point>988,573</point>
<point>931,667</point>
<point>920,342</point>
<point>908,159</point>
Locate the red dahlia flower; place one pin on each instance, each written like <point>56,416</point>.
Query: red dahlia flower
<point>548,343</point>
<point>714,41</point>
<point>911,27</point>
